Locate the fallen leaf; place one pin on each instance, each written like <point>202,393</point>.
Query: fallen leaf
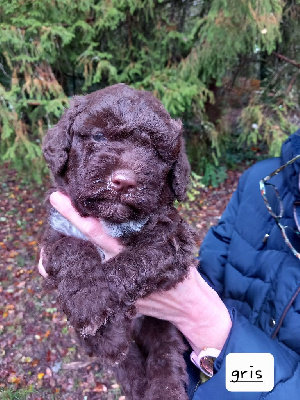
<point>52,382</point>
<point>26,359</point>
<point>100,388</point>
<point>48,356</point>
<point>14,379</point>
<point>35,362</point>
<point>115,386</point>
<point>57,366</point>
<point>41,375</point>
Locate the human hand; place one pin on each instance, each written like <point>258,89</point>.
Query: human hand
<point>90,227</point>
<point>194,308</point>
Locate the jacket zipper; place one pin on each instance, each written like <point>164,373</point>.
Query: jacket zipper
<point>198,384</point>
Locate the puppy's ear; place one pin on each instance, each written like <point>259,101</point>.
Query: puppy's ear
<point>56,145</point>
<point>57,142</point>
<point>180,174</point>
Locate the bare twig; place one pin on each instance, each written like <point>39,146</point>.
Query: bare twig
<point>80,364</point>
<point>292,81</point>
<point>3,70</point>
<point>293,62</point>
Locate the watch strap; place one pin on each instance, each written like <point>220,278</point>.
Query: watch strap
<point>205,360</point>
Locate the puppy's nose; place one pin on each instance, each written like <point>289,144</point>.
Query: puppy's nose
<point>123,180</point>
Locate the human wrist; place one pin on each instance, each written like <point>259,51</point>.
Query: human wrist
<point>207,322</point>
<point>211,334</point>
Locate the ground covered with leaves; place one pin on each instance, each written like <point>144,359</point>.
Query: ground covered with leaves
<point>39,357</point>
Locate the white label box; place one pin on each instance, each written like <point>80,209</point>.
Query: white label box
<point>249,372</point>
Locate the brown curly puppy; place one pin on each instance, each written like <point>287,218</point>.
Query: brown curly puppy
<point>120,157</point>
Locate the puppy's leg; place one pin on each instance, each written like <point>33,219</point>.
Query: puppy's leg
<point>165,366</point>
<point>131,373</point>
<point>75,268</point>
<point>111,341</point>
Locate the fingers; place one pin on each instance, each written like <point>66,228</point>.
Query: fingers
<point>63,205</point>
<point>90,227</point>
<point>40,266</point>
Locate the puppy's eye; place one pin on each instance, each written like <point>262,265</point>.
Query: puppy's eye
<point>99,137</point>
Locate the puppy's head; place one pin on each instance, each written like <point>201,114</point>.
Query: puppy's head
<point>118,154</point>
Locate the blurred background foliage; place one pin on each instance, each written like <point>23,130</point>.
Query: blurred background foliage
<point>230,69</point>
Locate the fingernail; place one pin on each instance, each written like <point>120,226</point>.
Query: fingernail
<point>54,198</point>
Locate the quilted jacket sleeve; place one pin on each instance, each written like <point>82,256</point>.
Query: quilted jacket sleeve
<point>246,338</point>
<point>214,249</point>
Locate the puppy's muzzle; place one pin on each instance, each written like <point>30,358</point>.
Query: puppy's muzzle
<point>123,181</point>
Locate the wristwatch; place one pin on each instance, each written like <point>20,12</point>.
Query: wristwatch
<point>205,360</point>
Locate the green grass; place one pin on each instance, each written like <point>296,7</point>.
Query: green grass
<point>11,394</point>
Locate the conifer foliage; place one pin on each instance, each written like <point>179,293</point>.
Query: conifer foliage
<point>178,49</point>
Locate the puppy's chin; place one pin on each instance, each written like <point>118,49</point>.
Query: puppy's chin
<point>110,212</point>
<point>118,213</point>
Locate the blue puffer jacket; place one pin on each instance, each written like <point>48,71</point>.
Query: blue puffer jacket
<point>258,279</point>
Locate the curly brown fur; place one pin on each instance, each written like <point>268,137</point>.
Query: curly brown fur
<point>120,157</point>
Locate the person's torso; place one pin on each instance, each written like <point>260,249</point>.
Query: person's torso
<point>262,275</point>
